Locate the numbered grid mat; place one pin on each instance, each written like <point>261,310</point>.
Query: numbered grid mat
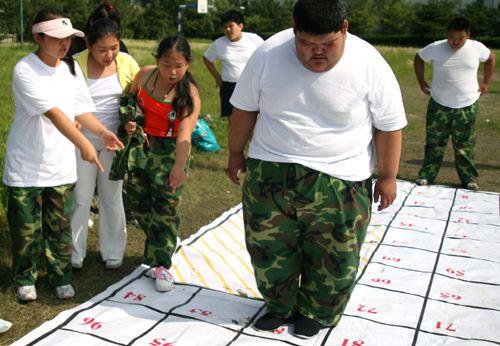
<point>429,275</point>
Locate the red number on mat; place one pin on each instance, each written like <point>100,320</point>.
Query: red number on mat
<point>160,342</point>
<point>280,330</point>
<point>459,250</point>
<point>382,281</point>
<point>399,242</point>
<point>201,312</point>
<point>364,308</point>
<point>447,295</point>
<point>449,327</point>
<point>393,259</point>
<point>463,220</point>
<point>455,272</point>
<point>91,322</point>
<point>348,342</point>
<point>136,297</point>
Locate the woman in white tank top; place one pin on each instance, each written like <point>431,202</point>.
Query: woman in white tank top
<point>108,74</point>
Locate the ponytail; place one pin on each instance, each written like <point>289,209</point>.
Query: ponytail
<point>71,64</point>
<point>183,100</point>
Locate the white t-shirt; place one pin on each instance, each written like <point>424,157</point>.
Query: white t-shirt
<point>233,55</point>
<point>454,72</point>
<point>38,155</point>
<point>106,93</point>
<point>323,121</point>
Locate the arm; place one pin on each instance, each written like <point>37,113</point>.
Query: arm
<point>140,79</point>
<point>419,67</point>
<point>69,130</point>
<point>213,71</point>
<point>178,175</point>
<point>90,122</point>
<point>489,69</point>
<point>240,130</point>
<point>388,147</point>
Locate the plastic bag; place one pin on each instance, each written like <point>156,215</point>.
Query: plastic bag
<point>203,138</point>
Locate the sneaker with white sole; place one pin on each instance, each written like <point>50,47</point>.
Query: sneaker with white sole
<point>77,264</point>
<point>26,293</point>
<point>4,325</point>
<point>113,263</point>
<point>65,292</point>
<point>164,281</point>
<point>422,182</point>
<point>472,186</point>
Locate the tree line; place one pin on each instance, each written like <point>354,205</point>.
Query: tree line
<point>154,19</point>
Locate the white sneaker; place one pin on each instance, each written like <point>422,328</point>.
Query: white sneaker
<point>65,292</point>
<point>472,186</point>
<point>164,280</point>
<point>4,325</point>
<point>113,263</point>
<point>77,264</point>
<point>422,182</point>
<point>26,293</point>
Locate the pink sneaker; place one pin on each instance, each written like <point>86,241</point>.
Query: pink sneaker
<point>164,280</point>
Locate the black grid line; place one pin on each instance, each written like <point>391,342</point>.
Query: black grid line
<point>242,331</point>
<point>73,315</point>
<point>167,314</point>
<point>422,312</point>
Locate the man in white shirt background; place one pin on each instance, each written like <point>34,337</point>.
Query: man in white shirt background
<point>322,109</point>
<point>232,50</point>
<point>453,105</point>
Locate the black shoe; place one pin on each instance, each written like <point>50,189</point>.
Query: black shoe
<point>306,327</point>
<point>269,322</point>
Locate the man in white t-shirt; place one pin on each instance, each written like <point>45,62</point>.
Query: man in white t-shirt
<point>330,111</point>
<point>453,105</point>
<point>232,50</point>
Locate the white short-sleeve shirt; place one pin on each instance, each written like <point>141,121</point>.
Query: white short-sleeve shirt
<point>454,72</point>
<point>325,120</point>
<point>37,154</point>
<point>233,55</point>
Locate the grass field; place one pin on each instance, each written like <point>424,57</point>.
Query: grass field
<point>209,192</point>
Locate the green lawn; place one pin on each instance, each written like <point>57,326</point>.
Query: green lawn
<point>209,192</point>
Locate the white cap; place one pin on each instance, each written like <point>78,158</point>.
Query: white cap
<point>58,28</point>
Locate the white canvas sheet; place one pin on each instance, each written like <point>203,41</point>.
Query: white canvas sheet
<point>429,276</point>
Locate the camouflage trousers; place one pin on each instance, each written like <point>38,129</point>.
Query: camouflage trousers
<point>461,125</point>
<point>304,230</point>
<point>153,203</point>
<point>37,214</point>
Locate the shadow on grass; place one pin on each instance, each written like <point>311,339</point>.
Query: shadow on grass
<point>449,164</point>
<point>89,281</point>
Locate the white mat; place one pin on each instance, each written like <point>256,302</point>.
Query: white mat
<point>430,275</point>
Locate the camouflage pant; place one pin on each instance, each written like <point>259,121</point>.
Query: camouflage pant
<point>304,230</point>
<point>34,212</point>
<point>153,203</point>
<point>461,125</point>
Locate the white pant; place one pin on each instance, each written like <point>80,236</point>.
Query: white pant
<point>112,223</point>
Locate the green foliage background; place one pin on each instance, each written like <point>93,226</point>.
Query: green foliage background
<point>154,19</point>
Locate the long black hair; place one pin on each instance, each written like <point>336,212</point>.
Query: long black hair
<point>50,13</point>
<point>182,99</point>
